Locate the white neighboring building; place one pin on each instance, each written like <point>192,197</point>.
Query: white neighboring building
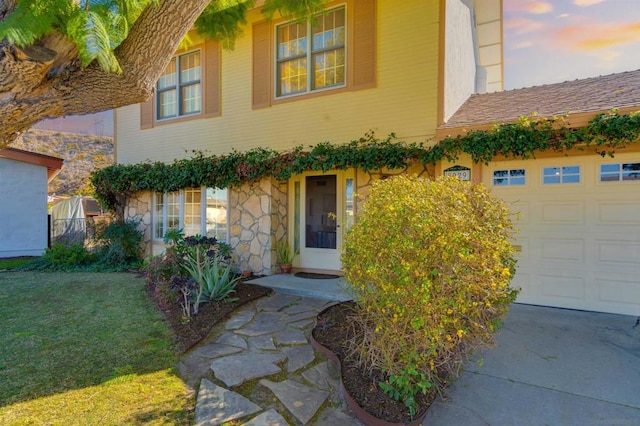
<point>24,177</point>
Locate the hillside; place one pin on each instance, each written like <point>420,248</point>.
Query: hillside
<point>82,154</point>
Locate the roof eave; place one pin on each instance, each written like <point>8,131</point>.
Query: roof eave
<point>572,121</point>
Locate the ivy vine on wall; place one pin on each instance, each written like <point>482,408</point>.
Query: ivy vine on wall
<point>115,184</point>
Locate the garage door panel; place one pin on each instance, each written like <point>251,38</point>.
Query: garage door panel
<point>618,252</point>
<point>559,249</point>
<point>619,213</point>
<point>554,286</point>
<point>618,293</point>
<point>554,212</point>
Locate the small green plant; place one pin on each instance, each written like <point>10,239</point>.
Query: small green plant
<point>429,264</point>
<point>173,237</point>
<point>188,288</point>
<point>405,385</point>
<point>284,253</point>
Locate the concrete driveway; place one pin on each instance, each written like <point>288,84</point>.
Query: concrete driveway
<point>550,367</point>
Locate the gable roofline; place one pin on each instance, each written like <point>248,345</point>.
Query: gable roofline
<point>582,99</point>
<point>53,164</point>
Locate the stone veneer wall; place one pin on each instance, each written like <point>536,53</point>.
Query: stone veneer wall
<point>139,208</point>
<point>257,216</point>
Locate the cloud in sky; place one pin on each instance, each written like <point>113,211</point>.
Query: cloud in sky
<point>610,55</point>
<point>539,7</point>
<point>528,6</point>
<point>547,41</point>
<point>520,25</point>
<point>594,36</point>
<point>522,45</point>
<point>586,3</point>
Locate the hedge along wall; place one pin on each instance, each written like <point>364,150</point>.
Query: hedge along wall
<point>114,185</point>
<point>256,224</point>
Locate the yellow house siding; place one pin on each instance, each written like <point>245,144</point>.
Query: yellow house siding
<point>403,101</point>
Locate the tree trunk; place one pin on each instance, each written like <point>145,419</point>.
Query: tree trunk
<point>46,80</point>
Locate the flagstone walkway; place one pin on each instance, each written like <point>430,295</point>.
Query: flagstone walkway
<point>259,369</point>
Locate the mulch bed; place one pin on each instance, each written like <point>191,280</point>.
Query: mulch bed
<point>333,331</point>
<point>187,334</point>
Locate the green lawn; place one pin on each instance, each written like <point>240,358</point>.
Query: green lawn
<point>85,348</point>
<point>14,262</point>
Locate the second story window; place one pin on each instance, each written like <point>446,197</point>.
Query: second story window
<point>179,90</point>
<point>311,55</point>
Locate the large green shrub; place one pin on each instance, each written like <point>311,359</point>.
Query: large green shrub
<point>119,244</point>
<point>429,264</point>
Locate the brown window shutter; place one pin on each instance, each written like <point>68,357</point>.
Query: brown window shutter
<point>146,113</point>
<point>261,65</point>
<point>364,44</point>
<point>211,79</point>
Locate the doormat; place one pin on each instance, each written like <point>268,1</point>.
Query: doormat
<point>313,276</point>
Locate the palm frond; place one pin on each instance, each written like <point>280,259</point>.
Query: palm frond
<point>33,19</point>
<point>97,27</point>
<point>300,9</point>
<point>91,34</point>
<point>222,20</point>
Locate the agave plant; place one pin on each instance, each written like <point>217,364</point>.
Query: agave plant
<point>210,269</point>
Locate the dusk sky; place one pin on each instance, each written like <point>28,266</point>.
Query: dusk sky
<point>549,41</point>
<point>545,41</point>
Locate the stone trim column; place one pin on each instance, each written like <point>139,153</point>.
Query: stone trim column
<point>257,216</point>
<point>139,208</point>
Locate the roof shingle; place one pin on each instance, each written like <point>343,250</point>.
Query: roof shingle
<point>596,94</point>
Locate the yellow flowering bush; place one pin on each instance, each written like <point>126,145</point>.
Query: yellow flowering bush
<point>429,265</point>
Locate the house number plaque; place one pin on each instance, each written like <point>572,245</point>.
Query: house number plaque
<point>462,173</point>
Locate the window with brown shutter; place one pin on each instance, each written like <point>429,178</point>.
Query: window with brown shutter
<point>334,52</point>
<point>188,89</point>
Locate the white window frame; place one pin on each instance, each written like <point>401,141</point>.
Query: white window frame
<point>182,211</point>
<point>619,174</point>
<point>563,174</point>
<point>178,86</point>
<point>510,177</point>
<point>309,56</point>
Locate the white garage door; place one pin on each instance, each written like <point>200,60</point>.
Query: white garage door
<point>579,229</point>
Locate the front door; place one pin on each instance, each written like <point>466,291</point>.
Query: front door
<point>322,207</point>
